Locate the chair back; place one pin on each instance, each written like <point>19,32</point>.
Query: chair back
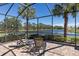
<point>38,41</point>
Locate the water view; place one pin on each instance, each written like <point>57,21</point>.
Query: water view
<point>20,24</point>
<point>50,32</point>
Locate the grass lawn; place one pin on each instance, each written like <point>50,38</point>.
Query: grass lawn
<point>69,38</point>
<point>2,34</point>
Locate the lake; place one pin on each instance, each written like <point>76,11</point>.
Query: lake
<point>49,32</point>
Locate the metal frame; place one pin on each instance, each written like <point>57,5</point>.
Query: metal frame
<point>5,17</point>
<point>51,15</point>
<point>36,17</point>
<point>27,15</point>
<point>75,28</point>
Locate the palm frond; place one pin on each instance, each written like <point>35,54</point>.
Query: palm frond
<point>28,13</point>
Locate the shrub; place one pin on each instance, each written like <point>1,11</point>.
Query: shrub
<point>59,38</point>
<point>22,36</point>
<point>2,39</point>
<point>73,40</point>
<point>39,38</point>
<point>33,36</point>
<point>11,37</point>
<point>55,38</point>
<point>50,37</point>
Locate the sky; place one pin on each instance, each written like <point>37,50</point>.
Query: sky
<point>41,10</point>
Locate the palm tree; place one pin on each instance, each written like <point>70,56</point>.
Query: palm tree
<point>63,9</point>
<point>27,14</point>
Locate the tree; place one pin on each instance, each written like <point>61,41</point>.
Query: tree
<point>11,24</point>
<point>34,26</point>
<point>27,14</point>
<point>1,26</point>
<point>58,27</point>
<point>63,9</point>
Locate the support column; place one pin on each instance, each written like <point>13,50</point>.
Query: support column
<point>37,26</point>
<point>75,29</point>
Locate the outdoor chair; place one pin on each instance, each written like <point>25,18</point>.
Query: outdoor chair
<point>39,46</point>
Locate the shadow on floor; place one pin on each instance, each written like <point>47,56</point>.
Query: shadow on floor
<point>61,43</point>
<point>47,50</point>
<point>9,50</point>
<point>51,52</point>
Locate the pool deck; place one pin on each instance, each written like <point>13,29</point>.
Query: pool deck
<point>52,49</point>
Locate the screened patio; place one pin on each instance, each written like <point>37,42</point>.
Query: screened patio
<point>14,25</point>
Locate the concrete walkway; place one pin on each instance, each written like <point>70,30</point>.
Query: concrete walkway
<point>52,49</point>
